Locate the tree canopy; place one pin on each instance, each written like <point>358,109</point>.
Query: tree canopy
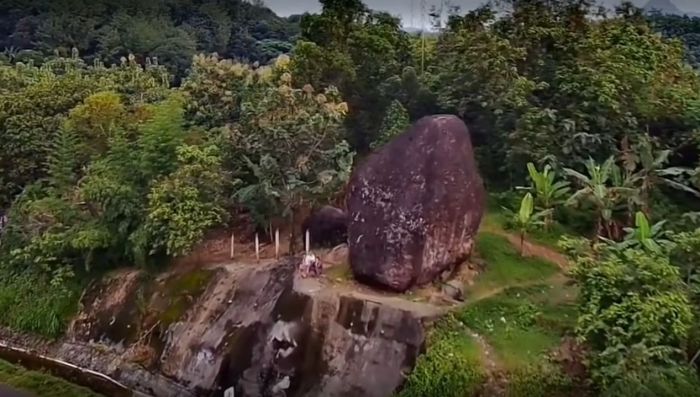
<point>132,131</point>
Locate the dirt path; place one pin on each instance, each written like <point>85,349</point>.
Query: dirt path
<point>488,354</point>
<point>556,279</point>
<point>531,248</point>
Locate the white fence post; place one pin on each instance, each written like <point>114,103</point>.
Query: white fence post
<point>307,245</point>
<point>277,243</point>
<point>233,242</point>
<point>257,248</point>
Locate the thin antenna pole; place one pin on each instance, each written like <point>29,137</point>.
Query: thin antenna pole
<point>442,12</point>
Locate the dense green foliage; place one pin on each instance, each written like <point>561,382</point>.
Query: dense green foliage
<point>543,380</point>
<point>451,367</point>
<point>595,114</point>
<point>545,82</point>
<point>44,310</point>
<point>367,56</point>
<point>634,312</point>
<point>684,28</point>
<point>187,203</point>
<point>394,123</point>
<point>284,144</point>
<point>129,174</point>
<point>35,102</point>
<point>168,30</point>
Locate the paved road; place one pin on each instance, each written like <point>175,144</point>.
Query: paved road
<point>5,391</point>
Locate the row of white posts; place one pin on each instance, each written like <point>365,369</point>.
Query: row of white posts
<point>307,245</point>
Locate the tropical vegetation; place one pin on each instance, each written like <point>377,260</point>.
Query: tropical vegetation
<point>130,132</point>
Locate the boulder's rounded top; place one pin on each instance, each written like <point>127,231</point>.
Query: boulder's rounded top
<point>442,119</point>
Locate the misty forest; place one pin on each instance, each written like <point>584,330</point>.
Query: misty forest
<point>203,198</point>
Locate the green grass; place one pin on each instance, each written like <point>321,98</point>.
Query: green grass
<point>494,220</point>
<point>29,302</point>
<point>523,323</point>
<point>518,348</point>
<point>521,306</point>
<point>505,266</point>
<point>40,384</point>
<point>451,367</point>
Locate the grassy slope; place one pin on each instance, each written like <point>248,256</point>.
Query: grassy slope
<point>522,323</point>
<point>496,219</point>
<point>520,306</point>
<point>45,311</point>
<point>505,267</point>
<point>39,384</point>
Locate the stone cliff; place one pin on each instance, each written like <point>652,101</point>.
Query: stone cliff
<point>257,328</point>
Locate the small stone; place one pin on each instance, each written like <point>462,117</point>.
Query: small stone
<point>454,289</point>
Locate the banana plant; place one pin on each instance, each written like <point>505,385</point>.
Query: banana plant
<point>651,170</point>
<point>645,235</point>
<point>526,219</point>
<point>548,191</point>
<point>605,188</point>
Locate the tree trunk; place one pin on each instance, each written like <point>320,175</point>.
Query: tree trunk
<point>599,227</point>
<point>522,244</point>
<point>548,221</point>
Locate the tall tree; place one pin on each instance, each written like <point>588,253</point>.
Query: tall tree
<point>357,50</point>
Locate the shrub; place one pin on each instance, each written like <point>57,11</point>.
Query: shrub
<point>659,382</point>
<point>633,312</point>
<point>450,368</point>
<point>545,380</point>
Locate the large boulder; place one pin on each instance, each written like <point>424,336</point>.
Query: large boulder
<point>328,227</point>
<point>415,206</point>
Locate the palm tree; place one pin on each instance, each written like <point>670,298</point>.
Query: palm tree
<point>605,188</point>
<point>526,219</point>
<point>548,192</point>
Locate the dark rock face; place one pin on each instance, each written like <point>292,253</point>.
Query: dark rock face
<point>328,227</point>
<point>258,329</point>
<point>415,206</point>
